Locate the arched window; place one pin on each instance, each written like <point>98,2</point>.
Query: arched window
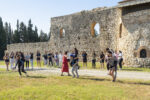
<point>120,31</point>
<point>143,53</point>
<point>62,32</point>
<point>95,29</point>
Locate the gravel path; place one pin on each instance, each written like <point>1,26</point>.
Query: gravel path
<point>96,73</point>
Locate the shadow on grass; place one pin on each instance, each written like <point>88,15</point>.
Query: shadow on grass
<point>7,72</point>
<point>117,81</point>
<point>94,79</point>
<point>38,77</point>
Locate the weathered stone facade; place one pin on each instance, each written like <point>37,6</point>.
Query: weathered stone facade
<point>125,27</point>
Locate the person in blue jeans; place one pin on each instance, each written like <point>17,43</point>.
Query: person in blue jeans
<point>74,64</point>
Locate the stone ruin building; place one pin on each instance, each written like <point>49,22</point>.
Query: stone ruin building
<point>125,27</point>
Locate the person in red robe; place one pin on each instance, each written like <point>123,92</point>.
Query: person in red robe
<point>65,66</point>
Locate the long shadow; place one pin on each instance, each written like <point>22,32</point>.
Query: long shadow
<point>93,79</point>
<point>35,69</point>
<point>117,81</point>
<point>7,72</point>
<point>36,77</point>
<point>132,70</point>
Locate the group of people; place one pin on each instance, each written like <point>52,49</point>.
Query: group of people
<point>19,59</point>
<point>112,59</point>
<point>102,58</point>
<point>12,59</point>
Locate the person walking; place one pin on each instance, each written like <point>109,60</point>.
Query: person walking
<point>112,63</point>
<point>12,58</point>
<point>20,64</point>
<point>65,66</point>
<point>22,59</point>
<point>74,63</point>
<point>6,58</point>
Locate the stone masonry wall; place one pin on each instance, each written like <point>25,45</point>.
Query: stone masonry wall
<point>78,33</point>
<point>135,37</point>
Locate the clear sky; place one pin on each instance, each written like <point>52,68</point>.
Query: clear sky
<point>40,11</point>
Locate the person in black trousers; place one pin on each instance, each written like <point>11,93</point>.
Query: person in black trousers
<point>106,58</point>
<point>94,60</point>
<point>20,64</point>
<point>50,59</point>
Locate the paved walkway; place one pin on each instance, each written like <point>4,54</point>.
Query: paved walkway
<point>96,73</point>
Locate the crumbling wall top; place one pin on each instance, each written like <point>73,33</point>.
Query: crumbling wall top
<point>127,3</point>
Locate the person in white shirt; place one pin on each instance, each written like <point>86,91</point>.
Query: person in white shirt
<point>68,56</point>
<point>60,56</point>
<point>120,58</point>
<point>12,58</point>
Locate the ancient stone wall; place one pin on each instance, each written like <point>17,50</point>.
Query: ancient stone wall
<point>78,34</point>
<point>127,31</point>
<point>135,37</point>
<point>78,31</point>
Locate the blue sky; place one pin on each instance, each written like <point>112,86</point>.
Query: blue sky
<point>40,11</point>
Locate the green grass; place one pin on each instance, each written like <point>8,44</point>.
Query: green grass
<point>36,87</point>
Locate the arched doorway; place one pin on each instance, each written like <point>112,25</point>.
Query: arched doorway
<point>143,53</point>
<point>95,29</point>
<point>62,32</point>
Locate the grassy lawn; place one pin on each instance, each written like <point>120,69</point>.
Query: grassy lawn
<point>36,87</point>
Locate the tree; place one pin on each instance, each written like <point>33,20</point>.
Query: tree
<point>43,37</point>
<point>30,31</point>
<point>10,34</point>
<point>35,32</point>
<point>23,33</point>
<point>6,32</point>
<point>16,36</point>
<point>2,39</point>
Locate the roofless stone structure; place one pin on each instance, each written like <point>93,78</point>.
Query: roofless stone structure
<point>125,27</point>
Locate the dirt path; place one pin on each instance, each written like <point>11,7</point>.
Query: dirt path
<point>96,73</point>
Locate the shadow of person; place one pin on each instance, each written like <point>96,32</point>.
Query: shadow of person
<point>36,77</point>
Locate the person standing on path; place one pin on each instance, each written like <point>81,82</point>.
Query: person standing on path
<point>94,59</point>
<point>31,60</point>
<point>27,58</point>
<point>65,66</point>
<point>12,58</point>
<point>106,58</point>
<point>50,59</point>
<point>56,59</point>
<point>84,56</point>
<point>102,58</point>
<point>6,58</point>
<point>60,59</point>
<point>45,58</point>
<point>38,55</point>
<point>120,58</point>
